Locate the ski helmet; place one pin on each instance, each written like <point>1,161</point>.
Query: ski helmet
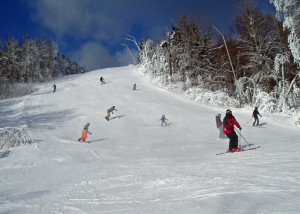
<point>228,111</point>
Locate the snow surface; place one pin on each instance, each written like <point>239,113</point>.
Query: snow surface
<point>133,165</point>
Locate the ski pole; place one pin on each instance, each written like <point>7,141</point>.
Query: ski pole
<point>249,120</point>
<point>243,137</point>
<point>240,135</point>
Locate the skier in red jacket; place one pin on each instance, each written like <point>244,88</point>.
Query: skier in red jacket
<point>228,127</point>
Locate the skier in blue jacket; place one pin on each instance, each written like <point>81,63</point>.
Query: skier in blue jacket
<point>163,120</point>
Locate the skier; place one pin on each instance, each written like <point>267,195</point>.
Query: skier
<point>54,88</point>
<point>228,127</point>
<point>84,132</point>
<point>112,109</point>
<point>255,116</point>
<point>134,87</point>
<point>219,126</point>
<point>163,120</point>
<point>102,80</point>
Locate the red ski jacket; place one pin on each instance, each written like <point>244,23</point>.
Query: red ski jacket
<point>228,124</point>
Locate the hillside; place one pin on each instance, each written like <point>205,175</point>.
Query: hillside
<point>133,165</point>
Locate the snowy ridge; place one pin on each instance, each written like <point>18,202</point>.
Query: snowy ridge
<point>133,165</point>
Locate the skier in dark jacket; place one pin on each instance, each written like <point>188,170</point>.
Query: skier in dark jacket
<point>102,80</point>
<point>134,87</point>
<point>228,127</point>
<point>219,126</point>
<point>255,116</point>
<point>54,88</point>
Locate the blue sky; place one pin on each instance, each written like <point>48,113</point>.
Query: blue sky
<point>93,31</point>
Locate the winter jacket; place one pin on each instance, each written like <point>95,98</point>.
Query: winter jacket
<point>228,123</point>
<point>86,128</point>
<point>111,109</point>
<point>163,119</point>
<point>255,113</point>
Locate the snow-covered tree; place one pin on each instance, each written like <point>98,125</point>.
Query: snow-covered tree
<point>32,60</point>
<point>197,60</point>
<point>9,61</point>
<point>289,11</point>
<point>257,42</point>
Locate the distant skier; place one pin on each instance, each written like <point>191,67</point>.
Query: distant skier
<point>54,88</point>
<point>134,87</point>
<point>255,116</point>
<point>102,80</point>
<point>228,127</point>
<point>85,131</point>
<point>110,110</point>
<point>163,120</point>
<point>219,126</point>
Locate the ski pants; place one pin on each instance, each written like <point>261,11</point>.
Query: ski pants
<point>233,140</point>
<point>83,136</point>
<point>255,120</point>
<point>164,123</point>
<point>108,114</point>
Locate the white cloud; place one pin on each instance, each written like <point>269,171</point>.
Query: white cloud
<point>89,24</point>
<point>124,57</point>
<point>94,56</point>
<point>79,19</point>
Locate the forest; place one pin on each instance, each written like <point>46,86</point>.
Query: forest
<point>256,63</point>
<point>31,61</point>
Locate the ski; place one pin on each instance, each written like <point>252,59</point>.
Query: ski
<point>242,150</point>
<point>256,126</point>
<point>83,142</point>
<point>251,148</point>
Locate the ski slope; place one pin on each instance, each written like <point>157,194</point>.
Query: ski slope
<point>133,165</point>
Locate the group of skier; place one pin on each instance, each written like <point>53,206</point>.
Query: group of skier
<point>85,130</point>
<point>226,128</point>
<point>111,110</point>
<point>102,81</point>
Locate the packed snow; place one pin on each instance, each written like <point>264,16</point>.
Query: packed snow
<point>132,164</point>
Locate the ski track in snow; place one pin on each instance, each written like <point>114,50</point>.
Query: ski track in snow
<point>133,165</point>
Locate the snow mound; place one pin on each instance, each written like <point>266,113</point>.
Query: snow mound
<point>13,137</point>
<point>215,98</point>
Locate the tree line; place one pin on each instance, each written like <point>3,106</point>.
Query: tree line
<point>255,58</point>
<point>32,61</point>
